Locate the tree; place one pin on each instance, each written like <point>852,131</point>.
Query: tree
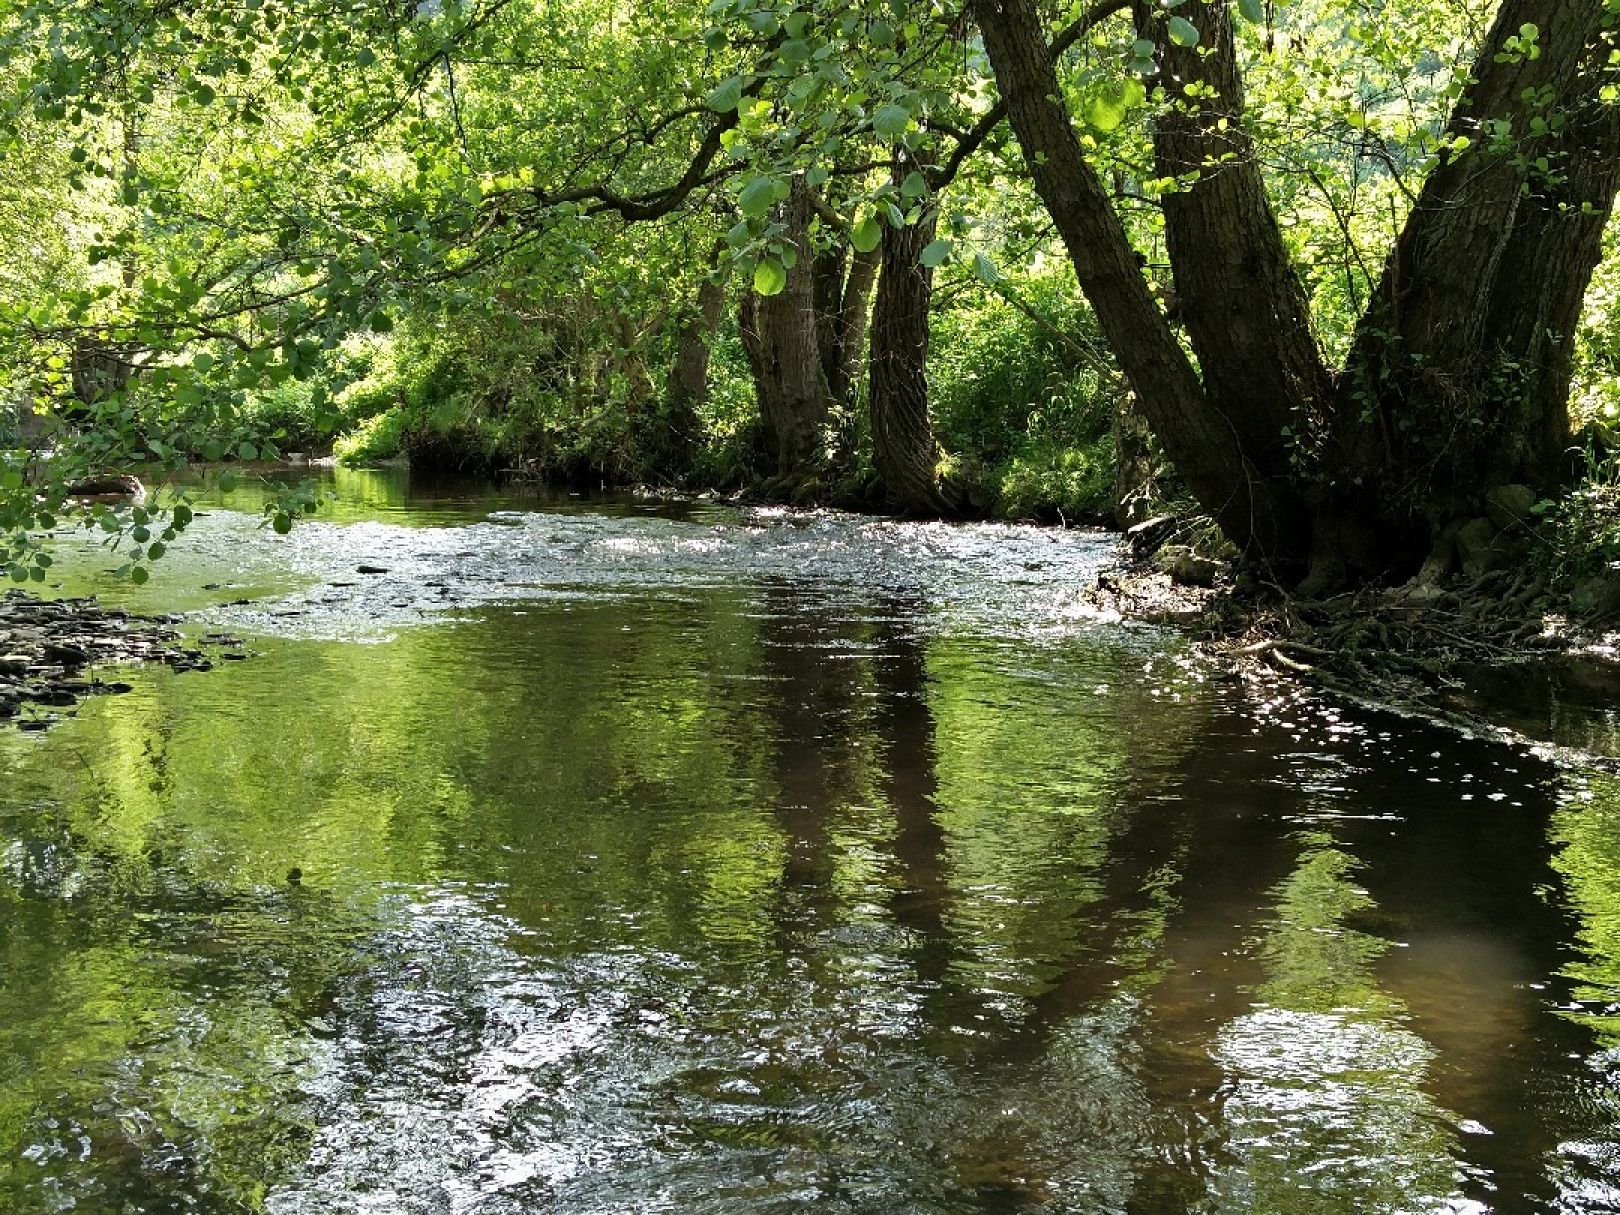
<point>1397,445</point>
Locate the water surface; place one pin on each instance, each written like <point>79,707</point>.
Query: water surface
<point>612,856</point>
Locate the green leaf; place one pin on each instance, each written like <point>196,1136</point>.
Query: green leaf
<point>282,523</point>
<point>769,277</point>
<point>247,451</point>
<point>139,575</point>
<point>937,252</point>
<point>867,234</point>
<point>1105,109</point>
<point>890,121</point>
<point>986,269</point>
<point>727,95</point>
<point>1183,32</point>
<point>757,197</point>
<point>914,186</point>
<point>1253,10</point>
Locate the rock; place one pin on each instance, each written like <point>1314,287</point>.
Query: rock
<point>1598,596</point>
<point>370,569</point>
<point>14,664</point>
<point>122,486</point>
<point>1511,505</point>
<point>1189,569</point>
<point>1148,535</point>
<point>1476,547</point>
<point>66,655</point>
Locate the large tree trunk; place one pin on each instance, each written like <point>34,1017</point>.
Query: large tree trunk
<point>903,445</point>
<point>1241,301</point>
<point>779,336</point>
<point>1555,245</point>
<point>1259,513</point>
<point>1421,363</point>
<point>1458,374</point>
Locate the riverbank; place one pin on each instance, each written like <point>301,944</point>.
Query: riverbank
<point>1498,655</point>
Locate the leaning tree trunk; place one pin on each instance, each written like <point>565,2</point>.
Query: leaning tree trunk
<point>854,313</point>
<point>1241,301</point>
<point>1421,364</point>
<point>843,295</point>
<point>903,445</point>
<point>1556,244</point>
<point>779,336</point>
<point>1253,510</point>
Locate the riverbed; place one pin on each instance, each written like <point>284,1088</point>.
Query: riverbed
<point>577,855</point>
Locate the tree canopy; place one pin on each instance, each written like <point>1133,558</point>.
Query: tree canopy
<point>1338,251</point>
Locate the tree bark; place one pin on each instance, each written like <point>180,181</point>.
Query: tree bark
<point>1259,513</point>
<point>1242,303</point>
<point>688,384</point>
<point>1547,265</point>
<point>779,335</point>
<point>843,294</point>
<point>903,445</point>
<point>1420,365</point>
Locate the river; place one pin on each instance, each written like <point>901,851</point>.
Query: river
<point>604,856</point>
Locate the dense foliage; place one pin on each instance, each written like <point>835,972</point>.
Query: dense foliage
<point>621,243</point>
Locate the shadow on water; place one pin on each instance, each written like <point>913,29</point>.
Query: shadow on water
<point>724,861</point>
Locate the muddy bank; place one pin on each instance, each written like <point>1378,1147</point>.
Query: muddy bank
<point>50,649</point>
<point>1496,655</point>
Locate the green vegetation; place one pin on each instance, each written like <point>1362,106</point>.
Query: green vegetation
<point>873,263</point>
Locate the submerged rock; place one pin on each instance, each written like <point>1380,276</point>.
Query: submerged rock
<point>45,645</point>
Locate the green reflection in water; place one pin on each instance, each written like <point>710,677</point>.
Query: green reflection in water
<point>762,896</point>
<point>1327,1108</point>
<point>1587,830</point>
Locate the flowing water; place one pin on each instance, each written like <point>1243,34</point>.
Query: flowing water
<point>635,857</point>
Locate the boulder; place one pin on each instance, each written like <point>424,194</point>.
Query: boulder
<point>110,487</point>
<point>1597,596</point>
<point>1477,551</point>
<point>1511,505</point>
<point>1148,535</point>
<point>1189,569</point>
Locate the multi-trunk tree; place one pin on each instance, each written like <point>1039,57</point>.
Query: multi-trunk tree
<point>1458,375</point>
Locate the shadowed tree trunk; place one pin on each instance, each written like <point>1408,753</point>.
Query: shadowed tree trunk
<point>779,334</point>
<point>1206,450</point>
<point>1485,257</point>
<point>1556,244</point>
<point>688,385</point>
<point>1241,302</point>
<point>903,445</point>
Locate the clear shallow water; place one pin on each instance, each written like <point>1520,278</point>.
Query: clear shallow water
<point>679,858</point>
